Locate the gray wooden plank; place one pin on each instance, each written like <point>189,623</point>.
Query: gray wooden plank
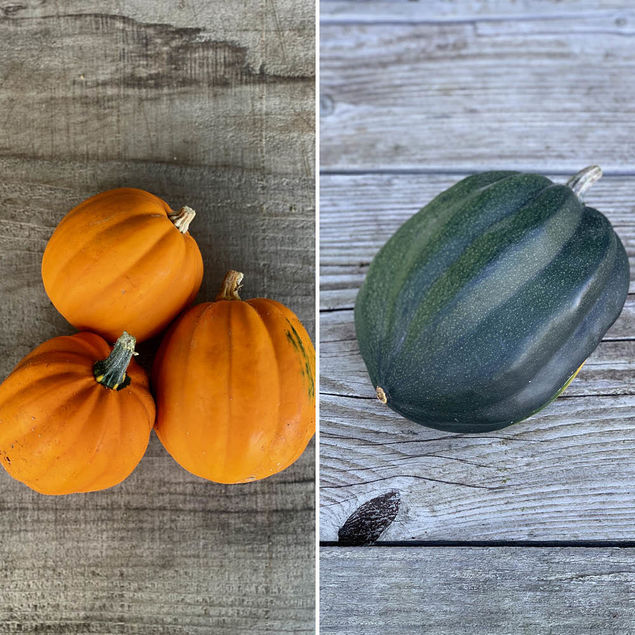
<point>275,35</point>
<point>449,591</point>
<point>358,213</point>
<point>164,552</point>
<point>414,96</point>
<point>232,107</point>
<point>206,104</point>
<point>373,11</point>
<point>535,94</point>
<point>564,474</point>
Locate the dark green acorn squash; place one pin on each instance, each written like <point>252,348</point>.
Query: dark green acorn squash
<point>483,306</point>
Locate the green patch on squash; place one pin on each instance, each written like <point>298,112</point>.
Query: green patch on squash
<point>296,342</point>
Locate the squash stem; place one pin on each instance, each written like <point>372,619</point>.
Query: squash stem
<point>584,179</point>
<point>111,372</point>
<point>381,394</point>
<point>231,286</point>
<point>182,218</point>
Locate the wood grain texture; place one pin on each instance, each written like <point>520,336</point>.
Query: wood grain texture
<point>205,104</point>
<point>409,11</point>
<point>178,94</point>
<point>370,520</point>
<point>470,590</point>
<point>565,474</point>
<point>542,94</point>
<point>275,34</point>
<point>165,552</point>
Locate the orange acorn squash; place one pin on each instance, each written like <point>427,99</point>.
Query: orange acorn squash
<point>235,387</point>
<point>74,415</point>
<point>122,260</point>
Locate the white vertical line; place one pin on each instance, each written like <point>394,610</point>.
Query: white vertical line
<point>317,315</point>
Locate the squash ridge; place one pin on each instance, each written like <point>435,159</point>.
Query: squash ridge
<point>81,484</point>
<point>506,236</point>
<point>588,320</point>
<point>101,302</point>
<point>593,304</point>
<point>89,240</point>
<point>45,461</point>
<point>165,396</point>
<point>413,226</point>
<point>434,260</point>
<point>413,253</point>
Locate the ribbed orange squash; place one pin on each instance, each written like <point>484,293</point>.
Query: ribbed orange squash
<point>122,260</point>
<point>72,423</point>
<point>235,388</point>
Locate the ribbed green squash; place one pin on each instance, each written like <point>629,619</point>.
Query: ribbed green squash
<point>482,307</point>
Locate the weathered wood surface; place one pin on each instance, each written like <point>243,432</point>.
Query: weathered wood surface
<point>209,104</point>
<point>545,92</point>
<point>414,97</point>
<point>407,11</point>
<point>164,552</point>
<point>565,474</point>
<point>99,84</point>
<point>478,590</point>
